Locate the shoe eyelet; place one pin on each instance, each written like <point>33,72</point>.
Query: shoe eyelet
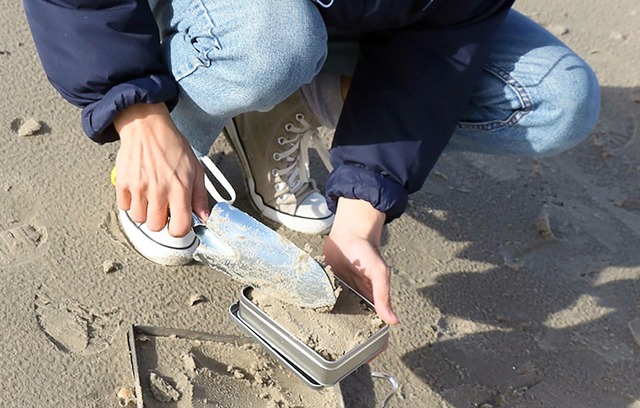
<point>288,127</point>
<point>282,140</point>
<point>276,156</point>
<point>299,117</point>
<point>274,172</point>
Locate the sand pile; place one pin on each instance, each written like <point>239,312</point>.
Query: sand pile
<point>330,333</point>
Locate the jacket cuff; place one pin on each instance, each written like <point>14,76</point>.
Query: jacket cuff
<point>97,117</point>
<point>357,182</point>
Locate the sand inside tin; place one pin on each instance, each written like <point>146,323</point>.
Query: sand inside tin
<point>330,333</point>
<point>183,373</point>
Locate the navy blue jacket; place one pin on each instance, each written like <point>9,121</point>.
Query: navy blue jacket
<point>418,64</point>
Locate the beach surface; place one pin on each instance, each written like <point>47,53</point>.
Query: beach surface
<point>516,280</point>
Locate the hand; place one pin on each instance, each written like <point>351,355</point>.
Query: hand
<point>351,249</point>
<point>157,172</point>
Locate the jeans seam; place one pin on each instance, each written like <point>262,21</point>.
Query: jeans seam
<point>206,12</point>
<point>526,103</point>
<point>202,57</point>
<point>212,25</point>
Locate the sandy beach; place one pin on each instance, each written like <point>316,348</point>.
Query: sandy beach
<point>516,280</point>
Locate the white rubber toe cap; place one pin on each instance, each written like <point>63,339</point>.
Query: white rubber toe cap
<point>312,216</point>
<point>313,206</point>
<point>159,247</point>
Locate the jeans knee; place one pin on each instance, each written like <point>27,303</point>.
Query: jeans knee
<point>250,62</point>
<point>574,109</point>
<point>285,51</point>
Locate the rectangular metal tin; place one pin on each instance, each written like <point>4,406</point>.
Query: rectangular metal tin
<point>233,310</point>
<point>299,355</point>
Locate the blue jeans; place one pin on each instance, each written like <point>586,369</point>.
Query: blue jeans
<point>536,96</point>
<point>235,56</point>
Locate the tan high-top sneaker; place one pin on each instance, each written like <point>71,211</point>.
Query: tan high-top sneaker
<point>272,148</point>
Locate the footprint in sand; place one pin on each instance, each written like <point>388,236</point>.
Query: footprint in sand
<point>74,328</point>
<point>111,228</point>
<point>21,242</point>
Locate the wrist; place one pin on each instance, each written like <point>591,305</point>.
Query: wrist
<point>140,114</point>
<point>360,218</point>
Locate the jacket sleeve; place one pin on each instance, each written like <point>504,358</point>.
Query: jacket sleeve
<point>410,86</point>
<point>368,15</point>
<point>102,56</point>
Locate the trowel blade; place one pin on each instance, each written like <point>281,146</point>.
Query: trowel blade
<point>254,254</point>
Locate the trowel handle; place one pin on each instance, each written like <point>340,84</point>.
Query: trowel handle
<point>196,221</point>
<point>211,247</point>
<point>217,174</point>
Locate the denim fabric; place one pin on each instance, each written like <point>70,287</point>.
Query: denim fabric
<point>236,56</point>
<point>536,97</point>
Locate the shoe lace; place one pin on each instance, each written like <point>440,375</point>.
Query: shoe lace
<point>296,175</point>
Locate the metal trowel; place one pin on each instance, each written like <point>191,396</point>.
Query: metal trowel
<point>240,246</point>
<point>252,253</point>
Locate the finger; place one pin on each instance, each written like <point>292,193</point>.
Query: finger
<point>340,266</point>
<point>137,189</point>
<point>120,180</point>
<point>138,208</point>
<point>157,213</point>
<point>123,197</point>
<point>200,197</point>
<point>180,209</point>
<point>381,284</point>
